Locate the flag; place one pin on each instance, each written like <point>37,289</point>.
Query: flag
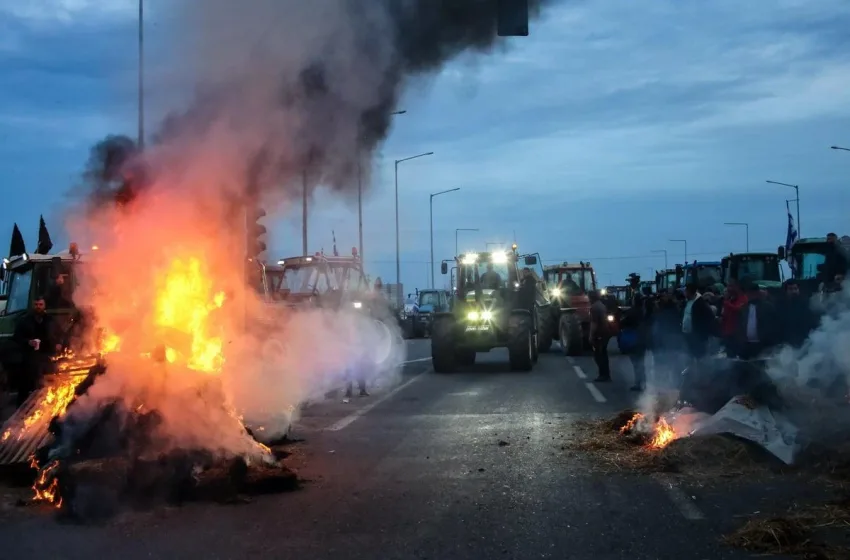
<point>17,247</point>
<point>45,244</point>
<point>336,253</point>
<point>790,238</point>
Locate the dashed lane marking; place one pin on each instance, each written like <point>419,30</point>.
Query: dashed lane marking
<point>597,394</point>
<point>571,360</point>
<point>416,360</point>
<point>342,423</point>
<point>580,372</point>
<point>683,503</point>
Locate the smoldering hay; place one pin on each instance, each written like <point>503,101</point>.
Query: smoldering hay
<point>283,89</point>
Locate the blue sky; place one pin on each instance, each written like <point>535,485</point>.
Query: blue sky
<point>615,127</point>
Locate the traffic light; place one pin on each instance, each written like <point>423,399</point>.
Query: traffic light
<point>256,232</point>
<point>512,18</point>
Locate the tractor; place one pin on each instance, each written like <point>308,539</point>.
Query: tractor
<point>808,259</point>
<point>704,274</point>
<point>665,280</point>
<point>486,312</point>
<point>761,268</point>
<point>569,284</point>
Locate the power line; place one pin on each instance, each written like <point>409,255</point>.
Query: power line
<point>590,259</point>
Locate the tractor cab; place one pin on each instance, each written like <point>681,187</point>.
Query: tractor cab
<point>808,258</point>
<point>56,278</point>
<point>761,268</point>
<point>569,283</point>
<point>317,279</point>
<point>704,274</point>
<point>666,280</point>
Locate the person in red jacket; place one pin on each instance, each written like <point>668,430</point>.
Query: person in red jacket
<point>733,302</point>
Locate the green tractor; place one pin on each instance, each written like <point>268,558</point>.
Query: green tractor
<point>762,268</point>
<point>665,280</point>
<point>808,257</point>
<point>486,313</point>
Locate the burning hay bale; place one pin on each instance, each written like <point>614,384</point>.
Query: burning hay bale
<point>631,441</point>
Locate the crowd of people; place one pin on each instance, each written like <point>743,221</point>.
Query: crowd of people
<point>745,321</point>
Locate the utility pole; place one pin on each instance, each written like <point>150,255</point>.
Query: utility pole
<point>141,124</point>
<point>304,213</point>
<point>796,190</point>
<point>431,214</point>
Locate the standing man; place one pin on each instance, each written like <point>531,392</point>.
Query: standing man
<point>759,326</point>
<point>599,335</point>
<point>733,303</point>
<point>36,339</point>
<point>796,316</point>
<point>638,319</point>
<point>697,322</point>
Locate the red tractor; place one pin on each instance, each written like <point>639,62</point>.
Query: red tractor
<point>569,284</point>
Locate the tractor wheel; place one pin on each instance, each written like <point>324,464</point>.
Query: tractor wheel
<point>465,357</point>
<point>521,343</point>
<point>572,342</point>
<point>442,346</point>
<point>544,332</point>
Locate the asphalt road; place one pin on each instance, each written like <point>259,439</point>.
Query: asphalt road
<point>417,471</point>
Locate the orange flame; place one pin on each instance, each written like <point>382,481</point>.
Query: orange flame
<point>662,432</point>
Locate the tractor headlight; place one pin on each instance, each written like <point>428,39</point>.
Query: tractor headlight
<point>472,315</point>
<point>610,318</point>
<point>555,292</point>
<point>603,292</point>
<point>357,304</point>
<point>486,315</point>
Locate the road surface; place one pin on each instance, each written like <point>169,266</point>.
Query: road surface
<point>463,466</point>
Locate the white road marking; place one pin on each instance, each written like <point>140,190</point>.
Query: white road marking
<point>340,424</point>
<point>416,360</point>
<point>683,503</point>
<point>571,360</point>
<point>597,394</point>
<point>580,372</point>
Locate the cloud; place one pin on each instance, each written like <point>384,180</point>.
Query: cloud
<point>45,12</point>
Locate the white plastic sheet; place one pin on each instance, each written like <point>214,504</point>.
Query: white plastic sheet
<point>740,417</point>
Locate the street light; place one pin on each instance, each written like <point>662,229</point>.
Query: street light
<point>397,244</point>
<point>746,225</point>
<point>685,241</point>
<point>360,197</point>
<point>665,256</point>
<point>431,210</point>
<point>840,148</point>
<point>461,229</point>
<point>797,189</point>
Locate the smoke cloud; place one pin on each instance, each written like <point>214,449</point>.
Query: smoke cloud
<point>283,89</point>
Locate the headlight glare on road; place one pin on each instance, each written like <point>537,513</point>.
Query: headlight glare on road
<point>472,315</point>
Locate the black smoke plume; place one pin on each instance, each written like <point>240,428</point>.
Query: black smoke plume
<point>293,88</point>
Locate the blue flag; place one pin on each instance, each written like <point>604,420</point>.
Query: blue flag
<point>790,238</point>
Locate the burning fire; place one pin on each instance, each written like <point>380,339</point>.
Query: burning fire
<point>54,404</point>
<point>185,302</point>
<point>662,432</point>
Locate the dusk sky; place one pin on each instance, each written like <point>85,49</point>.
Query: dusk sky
<point>613,128</point>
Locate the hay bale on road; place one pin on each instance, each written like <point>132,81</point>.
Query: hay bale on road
<point>718,455</point>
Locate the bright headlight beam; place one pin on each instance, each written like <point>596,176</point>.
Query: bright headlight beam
<point>472,315</point>
<point>610,318</point>
<point>499,257</point>
<point>358,304</point>
<point>487,315</point>
<point>470,258</point>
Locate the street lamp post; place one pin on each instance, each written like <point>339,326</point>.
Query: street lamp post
<point>431,211</point>
<point>397,243</point>
<point>665,256</point>
<point>797,190</point>
<point>461,229</point>
<point>141,124</point>
<point>746,225</point>
<point>360,198</point>
<point>685,241</point>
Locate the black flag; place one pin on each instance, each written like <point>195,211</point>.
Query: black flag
<point>44,242</point>
<point>17,247</point>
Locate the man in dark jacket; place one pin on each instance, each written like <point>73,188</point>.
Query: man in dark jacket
<point>796,316</point>
<point>698,322</point>
<point>36,338</point>
<point>835,263</point>
<point>759,327</point>
<point>638,319</point>
<point>600,334</point>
